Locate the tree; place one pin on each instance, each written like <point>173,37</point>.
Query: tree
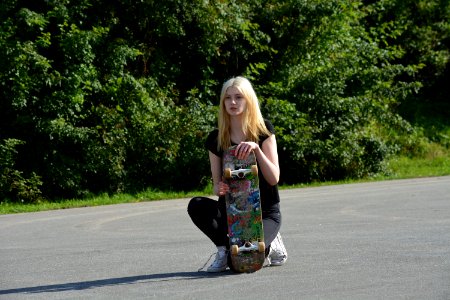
<point>338,87</point>
<point>110,96</point>
<point>421,31</point>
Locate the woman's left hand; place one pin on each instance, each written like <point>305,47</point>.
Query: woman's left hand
<point>245,148</point>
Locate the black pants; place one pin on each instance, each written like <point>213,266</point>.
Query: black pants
<point>211,218</point>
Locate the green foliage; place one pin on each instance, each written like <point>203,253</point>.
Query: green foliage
<point>421,31</point>
<point>112,96</point>
<point>13,184</point>
<point>335,85</point>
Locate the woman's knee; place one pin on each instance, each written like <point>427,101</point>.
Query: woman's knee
<point>194,205</point>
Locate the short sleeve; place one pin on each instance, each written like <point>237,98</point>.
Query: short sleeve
<point>211,142</point>
<point>269,126</point>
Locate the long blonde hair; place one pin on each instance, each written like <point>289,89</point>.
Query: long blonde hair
<point>252,122</point>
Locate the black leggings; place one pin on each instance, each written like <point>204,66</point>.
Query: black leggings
<point>210,217</point>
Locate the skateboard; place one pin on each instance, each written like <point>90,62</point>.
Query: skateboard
<point>245,227</point>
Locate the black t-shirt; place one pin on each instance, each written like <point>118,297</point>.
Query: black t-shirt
<point>269,194</point>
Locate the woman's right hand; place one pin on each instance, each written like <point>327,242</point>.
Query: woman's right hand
<point>221,188</point>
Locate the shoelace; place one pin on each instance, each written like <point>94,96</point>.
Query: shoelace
<point>202,268</point>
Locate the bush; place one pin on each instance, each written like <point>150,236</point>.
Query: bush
<point>13,185</point>
<point>96,98</point>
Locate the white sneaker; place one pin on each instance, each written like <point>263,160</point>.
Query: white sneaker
<point>220,263</point>
<point>277,254</point>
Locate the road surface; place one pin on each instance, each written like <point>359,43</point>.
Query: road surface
<point>380,240</point>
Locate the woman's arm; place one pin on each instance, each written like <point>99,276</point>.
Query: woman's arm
<point>267,157</point>
<point>220,188</point>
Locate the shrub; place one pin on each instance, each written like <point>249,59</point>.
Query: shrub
<point>13,185</point>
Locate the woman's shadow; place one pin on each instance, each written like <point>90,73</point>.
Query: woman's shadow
<point>84,285</point>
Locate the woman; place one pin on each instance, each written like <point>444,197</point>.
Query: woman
<point>241,123</point>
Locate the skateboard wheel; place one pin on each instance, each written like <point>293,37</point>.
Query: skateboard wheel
<point>234,249</point>
<point>227,173</point>
<point>255,170</point>
<point>261,247</point>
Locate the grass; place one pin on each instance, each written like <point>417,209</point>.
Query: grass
<point>432,164</point>
<point>104,199</point>
<point>404,167</point>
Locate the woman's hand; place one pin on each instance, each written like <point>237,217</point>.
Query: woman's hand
<point>245,148</point>
<point>221,188</point>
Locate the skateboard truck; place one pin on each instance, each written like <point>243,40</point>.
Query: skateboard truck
<point>240,173</point>
<point>247,247</point>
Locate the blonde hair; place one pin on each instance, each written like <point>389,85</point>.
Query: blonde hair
<point>253,123</point>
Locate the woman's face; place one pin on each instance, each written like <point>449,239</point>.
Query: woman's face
<point>235,103</point>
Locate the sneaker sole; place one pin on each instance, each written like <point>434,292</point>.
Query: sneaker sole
<point>278,263</point>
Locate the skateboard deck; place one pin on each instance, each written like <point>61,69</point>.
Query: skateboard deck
<point>245,228</point>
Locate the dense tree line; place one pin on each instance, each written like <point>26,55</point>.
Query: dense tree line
<point>117,95</point>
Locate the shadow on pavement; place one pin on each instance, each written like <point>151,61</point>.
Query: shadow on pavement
<point>84,285</point>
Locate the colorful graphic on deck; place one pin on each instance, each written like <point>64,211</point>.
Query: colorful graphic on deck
<point>245,229</point>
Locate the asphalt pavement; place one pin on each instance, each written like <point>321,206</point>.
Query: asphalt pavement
<point>377,240</point>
